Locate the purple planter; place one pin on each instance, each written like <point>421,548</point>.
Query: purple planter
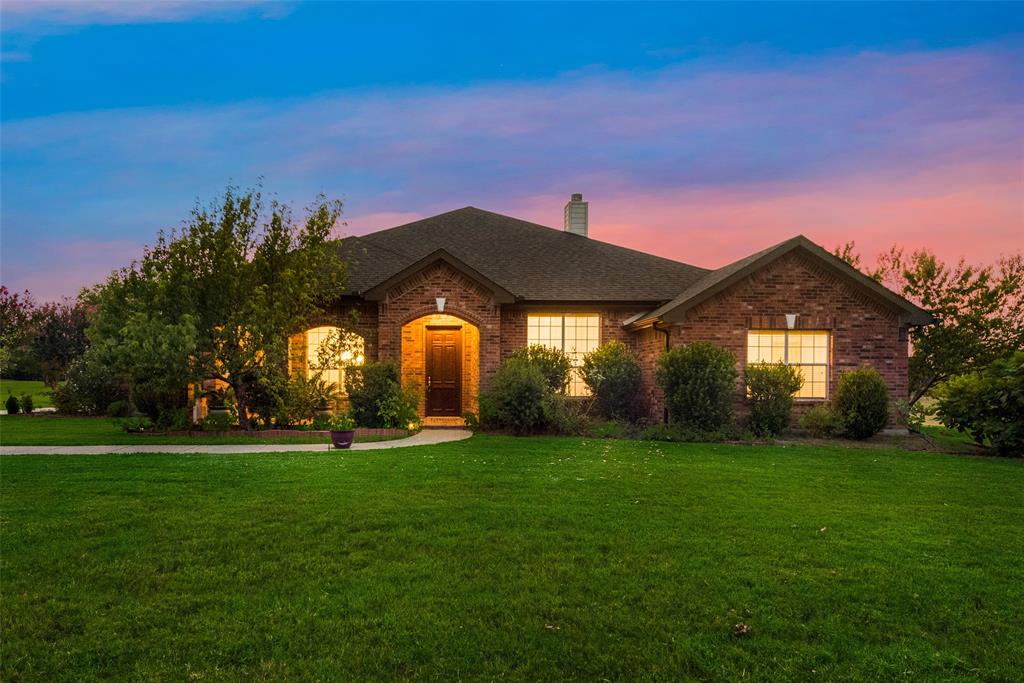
<point>342,439</point>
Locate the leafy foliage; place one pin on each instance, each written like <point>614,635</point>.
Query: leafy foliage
<point>554,364</point>
<point>92,385</point>
<point>988,404</point>
<point>27,405</point>
<point>699,382</point>
<point>516,398</point>
<point>979,311</point>
<point>12,405</point>
<point>376,397</point>
<point>40,341</point>
<point>861,402</point>
<point>612,372</point>
<point>217,299</point>
<point>770,389</point>
<point>820,421</point>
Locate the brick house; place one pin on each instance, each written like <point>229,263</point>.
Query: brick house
<point>448,297</point>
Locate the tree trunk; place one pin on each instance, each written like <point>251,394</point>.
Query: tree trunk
<point>241,407</point>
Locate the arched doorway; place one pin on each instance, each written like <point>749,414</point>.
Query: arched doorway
<point>441,355</point>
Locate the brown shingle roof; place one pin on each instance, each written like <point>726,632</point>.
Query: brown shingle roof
<point>722,278</point>
<point>533,262</point>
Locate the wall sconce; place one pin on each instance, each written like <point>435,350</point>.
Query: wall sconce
<point>790,320</point>
<point>440,304</point>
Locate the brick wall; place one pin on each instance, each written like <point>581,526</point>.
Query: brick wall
<point>863,331</point>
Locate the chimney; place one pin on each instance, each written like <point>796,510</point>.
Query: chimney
<point>576,215</point>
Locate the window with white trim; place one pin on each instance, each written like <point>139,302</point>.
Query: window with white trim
<point>577,334</point>
<point>806,350</point>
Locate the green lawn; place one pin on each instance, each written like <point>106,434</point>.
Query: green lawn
<point>19,387</point>
<point>528,559</point>
<point>56,430</point>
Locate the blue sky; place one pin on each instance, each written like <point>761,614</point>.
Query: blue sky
<point>701,132</point>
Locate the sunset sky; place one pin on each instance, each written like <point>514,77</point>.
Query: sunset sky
<point>697,132</point>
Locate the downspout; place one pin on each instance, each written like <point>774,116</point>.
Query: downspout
<point>668,346</point>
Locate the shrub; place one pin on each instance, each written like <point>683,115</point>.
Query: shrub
<point>91,386</point>
<point>770,389</point>
<point>134,424</point>
<point>27,404</point>
<point>178,418</point>
<point>861,403</point>
<point>12,405</point>
<point>299,402</point>
<point>612,372</point>
<point>218,422</point>
<point>517,397</point>
<point>821,422</point>
<point>699,381</point>
<point>989,405</point>
<point>472,421</point>
<point>554,364</point>
<point>119,408</point>
<point>376,397</point>
<point>913,415</point>
<point>565,415</point>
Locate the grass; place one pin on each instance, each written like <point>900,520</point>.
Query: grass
<point>55,430</point>
<point>513,558</point>
<point>39,392</point>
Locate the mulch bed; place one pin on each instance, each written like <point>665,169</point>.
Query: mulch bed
<point>272,433</point>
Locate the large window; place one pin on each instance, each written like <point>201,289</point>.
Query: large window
<point>328,342</point>
<point>805,350</point>
<point>575,333</point>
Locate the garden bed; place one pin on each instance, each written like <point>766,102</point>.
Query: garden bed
<point>361,433</point>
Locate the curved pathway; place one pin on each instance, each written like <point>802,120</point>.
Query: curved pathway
<point>427,437</point>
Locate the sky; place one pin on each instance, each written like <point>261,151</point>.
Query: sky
<point>698,132</point>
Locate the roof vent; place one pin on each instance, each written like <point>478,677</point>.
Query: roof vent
<point>577,215</point>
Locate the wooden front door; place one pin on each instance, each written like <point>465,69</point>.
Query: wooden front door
<point>444,371</point>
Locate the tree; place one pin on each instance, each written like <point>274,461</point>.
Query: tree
<point>59,338</point>
<point>978,310</point>
<point>17,311</point>
<point>217,299</point>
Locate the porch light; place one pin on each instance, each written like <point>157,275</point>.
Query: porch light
<point>440,304</point>
<point>790,320</point>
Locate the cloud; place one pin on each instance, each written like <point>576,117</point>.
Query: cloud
<point>31,15</point>
<point>703,162</point>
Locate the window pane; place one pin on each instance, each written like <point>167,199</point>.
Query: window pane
<point>575,334</point>
<point>766,347</point>
<point>815,381</point>
<point>805,350</point>
<point>351,353</point>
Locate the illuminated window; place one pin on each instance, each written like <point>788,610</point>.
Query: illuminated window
<point>576,334</point>
<point>337,350</point>
<point>804,350</point>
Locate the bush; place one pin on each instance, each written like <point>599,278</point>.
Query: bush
<point>299,402</point>
<point>119,408</point>
<point>178,419</point>
<point>27,405</point>
<point>861,403</point>
<point>613,374</point>
<point>770,389</point>
<point>134,424</point>
<point>989,405</point>
<point>821,422</point>
<point>699,381</point>
<point>565,415</point>
<point>517,397</point>
<point>218,422</point>
<point>12,405</point>
<point>376,397</point>
<point>91,386</point>
<point>472,421</point>
<point>554,364</point>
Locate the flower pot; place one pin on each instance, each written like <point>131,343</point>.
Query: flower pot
<point>343,438</point>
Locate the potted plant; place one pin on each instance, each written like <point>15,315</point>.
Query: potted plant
<point>343,430</point>
<point>326,395</point>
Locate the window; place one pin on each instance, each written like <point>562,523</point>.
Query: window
<point>324,340</point>
<point>576,334</point>
<point>807,351</point>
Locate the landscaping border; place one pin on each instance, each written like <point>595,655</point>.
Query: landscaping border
<point>273,433</point>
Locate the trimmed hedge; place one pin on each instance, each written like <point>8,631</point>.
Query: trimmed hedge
<point>699,381</point>
<point>770,389</point>
<point>861,403</point>
<point>612,372</point>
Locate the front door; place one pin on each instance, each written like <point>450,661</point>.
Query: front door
<point>444,371</point>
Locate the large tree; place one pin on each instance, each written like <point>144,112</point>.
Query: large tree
<point>979,310</point>
<point>218,298</point>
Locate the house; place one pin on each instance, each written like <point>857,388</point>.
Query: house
<point>448,297</point>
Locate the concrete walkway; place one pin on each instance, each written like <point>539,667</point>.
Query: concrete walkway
<point>427,437</point>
